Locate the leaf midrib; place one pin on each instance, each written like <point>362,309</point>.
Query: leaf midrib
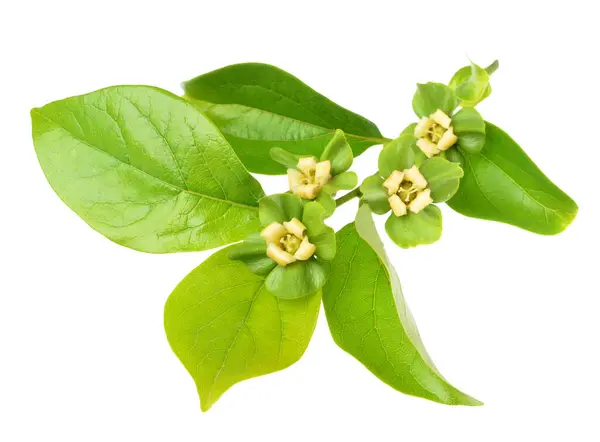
<point>173,186</point>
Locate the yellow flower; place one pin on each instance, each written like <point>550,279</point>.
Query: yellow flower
<point>309,178</point>
<point>287,242</point>
<point>435,133</point>
<point>407,190</point>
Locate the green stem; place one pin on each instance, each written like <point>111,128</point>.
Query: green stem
<point>349,196</point>
<point>492,68</point>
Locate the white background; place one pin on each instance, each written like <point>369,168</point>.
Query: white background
<point>509,317</point>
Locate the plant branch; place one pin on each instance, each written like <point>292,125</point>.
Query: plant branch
<point>349,196</point>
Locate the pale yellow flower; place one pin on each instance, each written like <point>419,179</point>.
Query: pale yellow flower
<point>309,178</point>
<point>407,190</point>
<point>435,133</point>
<point>287,242</point>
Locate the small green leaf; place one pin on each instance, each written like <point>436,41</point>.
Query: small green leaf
<point>471,84</point>
<point>433,96</point>
<point>368,317</point>
<point>225,327</point>
<point>279,208</point>
<point>443,178</point>
<point>285,158</point>
<point>297,280</point>
<point>503,184</point>
<point>339,153</point>
<point>375,195</point>
<point>469,127</point>
<point>414,229</point>
<point>258,106</point>
<point>398,154</point>
<point>146,169</point>
<point>318,233</point>
<point>253,252</point>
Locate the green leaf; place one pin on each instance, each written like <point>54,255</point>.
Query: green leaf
<point>368,317</point>
<point>258,106</point>
<point>503,184</point>
<point>297,280</point>
<point>318,233</point>
<point>225,327</point>
<point>146,169</point>
<point>279,208</point>
<point>443,178</point>
<point>339,153</point>
<point>398,154</point>
<point>375,195</point>
<point>414,229</point>
<point>433,96</point>
<point>253,252</point>
<point>469,127</point>
<point>471,84</point>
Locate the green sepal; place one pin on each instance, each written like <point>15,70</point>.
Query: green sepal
<point>253,252</point>
<point>279,208</point>
<point>339,153</point>
<point>375,195</point>
<point>443,178</point>
<point>398,154</point>
<point>471,84</point>
<point>296,280</point>
<point>415,229</point>
<point>319,234</point>
<point>285,158</point>
<point>454,155</point>
<point>326,200</point>
<point>469,127</point>
<point>343,181</point>
<point>433,96</point>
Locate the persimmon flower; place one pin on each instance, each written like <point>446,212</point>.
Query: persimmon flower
<point>407,190</point>
<point>435,133</point>
<point>287,242</point>
<point>309,177</point>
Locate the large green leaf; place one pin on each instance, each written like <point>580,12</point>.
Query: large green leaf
<point>146,169</point>
<point>369,318</point>
<point>225,327</point>
<point>501,183</point>
<point>258,106</point>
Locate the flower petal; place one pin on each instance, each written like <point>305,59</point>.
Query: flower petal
<point>433,96</point>
<point>415,229</point>
<point>469,127</point>
<point>279,208</point>
<point>375,195</point>
<point>339,152</point>
<point>398,154</point>
<point>301,278</point>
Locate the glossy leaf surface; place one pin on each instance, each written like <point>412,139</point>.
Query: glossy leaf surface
<point>501,183</point>
<point>368,317</point>
<point>258,106</point>
<point>146,169</point>
<point>225,327</point>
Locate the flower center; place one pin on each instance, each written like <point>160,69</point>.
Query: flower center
<point>287,242</point>
<point>435,133</point>
<point>290,243</point>
<point>407,190</point>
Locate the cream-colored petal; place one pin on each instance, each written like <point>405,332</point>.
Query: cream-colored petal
<point>448,140</point>
<point>323,172</point>
<point>422,200</point>
<point>307,165</point>
<point>423,126</point>
<point>295,227</point>
<point>416,177</point>
<point>392,184</point>
<point>428,148</point>
<point>295,178</point>
<point>307,191</point>
<point>273,232</point>
<point>441,118</point>
<point>397,205</point>
<point>306,250</point>
<point>280,256</point>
